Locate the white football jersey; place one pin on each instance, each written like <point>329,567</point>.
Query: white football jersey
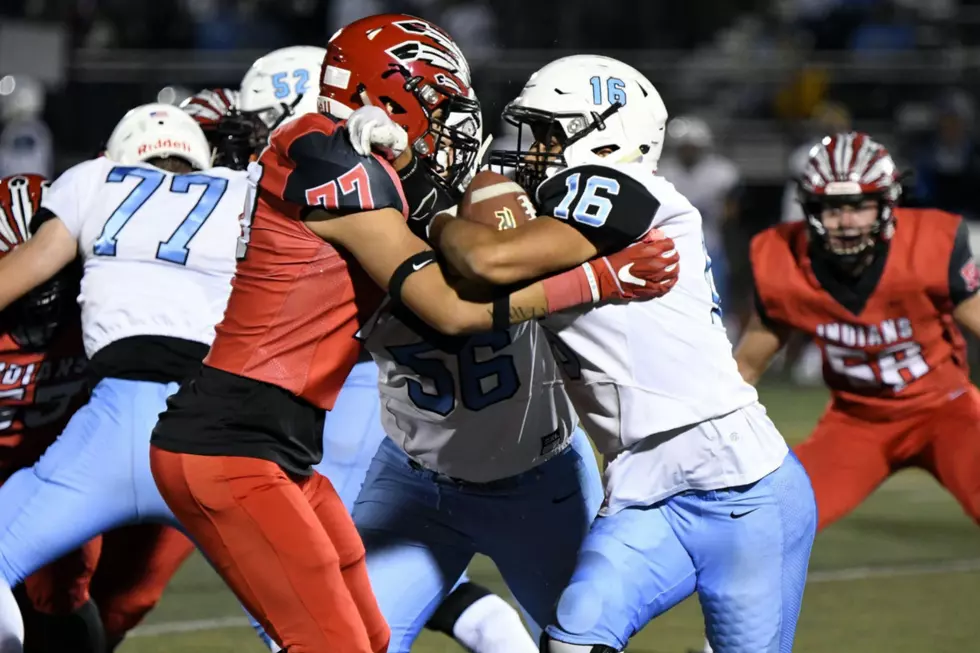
<point>641,373</point>
<point>158,247</point>
<point>480,408</point>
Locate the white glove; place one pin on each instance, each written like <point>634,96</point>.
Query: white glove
<point>371,126</point>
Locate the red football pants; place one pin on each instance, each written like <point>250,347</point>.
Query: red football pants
<point>848,458</point>
<point>137,563</point>
<point>286,546</point>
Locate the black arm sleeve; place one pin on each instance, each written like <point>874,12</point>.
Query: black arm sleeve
<point>964,277</point>
<point>328,173</point>
<point>609,207</point>
<point>42,216</point>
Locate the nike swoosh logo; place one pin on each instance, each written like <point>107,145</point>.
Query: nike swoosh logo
<point>739,515</point>
<point>626,276</point>
<point>418,266</point>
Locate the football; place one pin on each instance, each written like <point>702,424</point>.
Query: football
<point>496,201</point>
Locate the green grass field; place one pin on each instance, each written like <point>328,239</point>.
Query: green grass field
<point>900,575</point>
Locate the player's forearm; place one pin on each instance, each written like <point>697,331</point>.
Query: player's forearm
<point>967,314</point>
<point>34,262</point>
<point>537,249</point>
<point>440,306</point>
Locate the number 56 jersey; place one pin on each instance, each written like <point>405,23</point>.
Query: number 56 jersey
<point>889,340</point>
<point>478,408</point>
<point>158,247</point>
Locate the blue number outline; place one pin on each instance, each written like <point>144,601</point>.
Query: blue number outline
<point>302,77</point>
<point>444,399</point>
<point>105,244</point>
<point>168,250</point>
<point>174,249</point>
<point>709,278</point>
<point>615,90</point>
<point>590,209</point>
<point>279,85</point>
<point>471,373</point>
<point>301,85</point>
<point>571,184</point>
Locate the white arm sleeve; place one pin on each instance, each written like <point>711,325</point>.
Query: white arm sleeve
<point>70,194</point>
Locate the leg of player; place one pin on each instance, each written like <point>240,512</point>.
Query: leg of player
<point>631,567</point>
<point>137,563</point>
<point>305,584</point>
<point>557,506</point>
<point>83,484</point>
<point>417,546</point>
<point>481,621</point>
<point>60,615</point>
<point>752,548</point>
<point>953,453</point>
<point>846,460</point>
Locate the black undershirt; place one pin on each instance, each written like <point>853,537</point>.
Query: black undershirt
<point>158,359</point>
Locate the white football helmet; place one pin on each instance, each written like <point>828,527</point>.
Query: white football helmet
<point>283,84</point>
<point>586,103</point>
<point>158,130</point>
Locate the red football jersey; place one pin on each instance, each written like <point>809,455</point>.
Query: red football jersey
<point>296,301</point>
<point>39,392</point>
<point>888,339</point>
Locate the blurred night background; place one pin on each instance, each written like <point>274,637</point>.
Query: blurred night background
<point>750,85</point>
<point>752,82</point>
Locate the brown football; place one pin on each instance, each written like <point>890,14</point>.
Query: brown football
<point>496,201</point>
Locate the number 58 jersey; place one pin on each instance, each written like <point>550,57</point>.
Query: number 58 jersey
<point>158,247</point>
<point>477,408</point>
<point>889,340</point>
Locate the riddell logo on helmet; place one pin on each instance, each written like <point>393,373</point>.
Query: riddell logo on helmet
<point>163,144</point>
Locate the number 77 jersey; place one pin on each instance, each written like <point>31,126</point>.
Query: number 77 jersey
<point>158,247</point>
<point>889,340</point>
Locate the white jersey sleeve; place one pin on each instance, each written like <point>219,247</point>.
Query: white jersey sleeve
<point>158,248</point>
<point>69,196</point>
<point>646,370</point>
<point>478,409</point>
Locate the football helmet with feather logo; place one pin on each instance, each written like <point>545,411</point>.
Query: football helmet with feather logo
<point>416,72</point>
<point>33,319</point>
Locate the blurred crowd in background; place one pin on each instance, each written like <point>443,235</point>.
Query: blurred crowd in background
<point>751,84</point>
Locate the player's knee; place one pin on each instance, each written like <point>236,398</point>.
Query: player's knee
<point>549,645</point>
<point>581,608</point>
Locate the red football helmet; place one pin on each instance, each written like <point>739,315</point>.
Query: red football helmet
<point>849,169</point>
<point>412,69</point>
<point>33,319</point>
<point>20,198</point>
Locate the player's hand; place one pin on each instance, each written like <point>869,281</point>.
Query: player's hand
<point>644,270</point>
<point>371,127</point>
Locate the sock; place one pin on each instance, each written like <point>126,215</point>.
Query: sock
<point>11,622</point>
<point>707,647</point>
<point>481,622</point>
<point>80,631</point>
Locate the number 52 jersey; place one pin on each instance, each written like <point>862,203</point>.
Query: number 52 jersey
<point>158,247</point>
<point>889,340</point>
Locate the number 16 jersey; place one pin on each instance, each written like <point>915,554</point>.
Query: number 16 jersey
<point>888,338</point>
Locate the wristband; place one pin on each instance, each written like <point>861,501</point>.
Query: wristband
<point>572,288</point>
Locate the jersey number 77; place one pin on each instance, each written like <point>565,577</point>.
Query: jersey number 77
<point>174,249</point>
